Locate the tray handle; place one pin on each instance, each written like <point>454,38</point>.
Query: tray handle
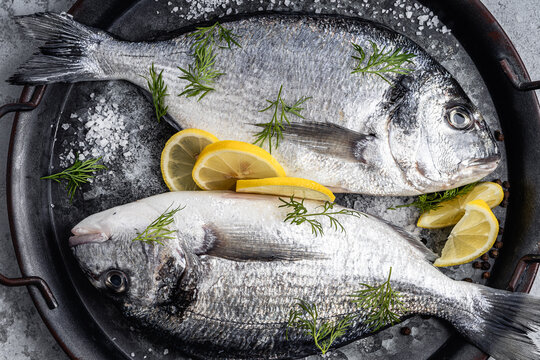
<point>24,106</point>
<point>38,282</point>
<point>518,82</point>
<point>525,272</point>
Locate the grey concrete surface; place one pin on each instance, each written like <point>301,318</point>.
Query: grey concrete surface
<point>22,334</point>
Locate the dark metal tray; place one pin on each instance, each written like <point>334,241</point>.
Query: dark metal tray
<point>89,327</point>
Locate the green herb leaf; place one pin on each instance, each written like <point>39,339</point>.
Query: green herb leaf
<point>157,87</point>
<point>299,215</point>
<point>159,228</point>
<point>432,201</point>
<point>382,61</point>
<point>201,74</point>
<point>274,128</point>
<point>77,174</point>
<point>206,36</point>
<point>381,302</point>
<point>304,316</point>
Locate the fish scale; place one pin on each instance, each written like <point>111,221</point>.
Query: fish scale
<point>359,133</point>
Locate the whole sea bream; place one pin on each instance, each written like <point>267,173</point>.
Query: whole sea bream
<point>417,133</point>
<point>223,285</point>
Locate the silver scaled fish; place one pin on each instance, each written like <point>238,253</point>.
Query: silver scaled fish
<point>415,133</point>
<point>223,285</point>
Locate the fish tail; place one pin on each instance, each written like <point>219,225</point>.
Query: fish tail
<point>506,325</point>
<point>68,55</point>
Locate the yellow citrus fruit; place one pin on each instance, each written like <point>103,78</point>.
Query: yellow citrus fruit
<point>452,210</point>
<point>179,156</point>
<point>472,236</point>
<point>222,163</point>
<point>286,186</point>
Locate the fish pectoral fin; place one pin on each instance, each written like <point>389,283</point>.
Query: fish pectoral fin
<point>243,244</point>
<point>330,139</point>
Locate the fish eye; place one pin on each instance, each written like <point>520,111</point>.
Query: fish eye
<point>116,281</point>
<point>459,118</point>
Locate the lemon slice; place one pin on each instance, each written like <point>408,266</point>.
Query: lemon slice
<point>472,236</point>
<point>452,210</point>
<point>179,156</point>
<point>286,186</point>
<point>222,163</point>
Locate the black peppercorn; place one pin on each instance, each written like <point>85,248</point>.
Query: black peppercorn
<point>486,275</point>
<point>485,257</point>
<point>405,331</point>
<point>498,245</point>
<point>477,265</point>
<point>494,253</point>
<point>499,135</point>
<point>506,184</point>
<point>485,265</point>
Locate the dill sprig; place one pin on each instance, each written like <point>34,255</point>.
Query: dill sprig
<point>206,36</point>
<point>382,61</point>
<point>304,316</point>
<point>432,201</point>
<point>157,87</point>
<point>382,303</point>
<point>201,74</point>
<point>77,174</point>
<point>159,228</point>
<point>274,128</point>
<point>299,215</point>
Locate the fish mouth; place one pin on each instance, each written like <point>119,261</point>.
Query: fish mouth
<point>488,163</point>
<point>80,239</point>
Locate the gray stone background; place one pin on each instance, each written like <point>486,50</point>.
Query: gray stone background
<point>22,334</point>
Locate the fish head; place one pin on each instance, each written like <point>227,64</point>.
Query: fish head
<point>437,136</point>
<point>135,274</point>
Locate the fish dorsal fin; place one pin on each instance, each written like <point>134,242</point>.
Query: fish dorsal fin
<point>243,244</point>
<point>412,240</point>
<point>330,139</point>
<point>416,243</point>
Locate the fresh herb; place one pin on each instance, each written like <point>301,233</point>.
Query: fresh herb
<point>159,228</point>
<point>206,37</point>
<point>306,317</point>
<point>432,201</point>
<point>77,174</point>
<point>201,73</point>
<point>274,128</point>
<point>381,302</point>
<point>382,61</point>
<point>157,87</point>
<point>299,215</point>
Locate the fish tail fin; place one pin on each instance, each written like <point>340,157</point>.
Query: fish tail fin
<point>506,325</point>
<point>69,52</point>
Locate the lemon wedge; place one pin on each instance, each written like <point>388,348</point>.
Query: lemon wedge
<point>452,210</point>
<point>472,236</point>
<point>286,186</point>
<point>179,156</point>
<point>222,163</point>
